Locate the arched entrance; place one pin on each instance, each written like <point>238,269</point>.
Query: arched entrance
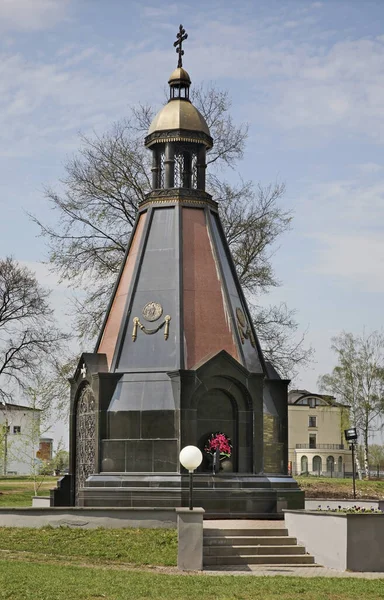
<point>330,464</point>
<point>217,411</point>
<point>85,438</point>
<point>304,464</point>
<point>317,465</point>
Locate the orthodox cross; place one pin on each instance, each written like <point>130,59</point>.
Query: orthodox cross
<point>181,37</point>
<point>83,371</point>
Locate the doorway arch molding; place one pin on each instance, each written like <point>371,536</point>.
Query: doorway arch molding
<point>235,420</point>
<point>228,385</point>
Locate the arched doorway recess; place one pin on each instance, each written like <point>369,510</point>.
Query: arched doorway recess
<point>217,411</point>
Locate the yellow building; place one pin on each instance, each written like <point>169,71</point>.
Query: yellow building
<point>316,435</point>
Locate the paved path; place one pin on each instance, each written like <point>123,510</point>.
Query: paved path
<point>273,570</point>
<point>291,571</point>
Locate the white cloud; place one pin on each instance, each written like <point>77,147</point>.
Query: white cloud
<point>43,102</point>
<point>31,15</point>
<point>297,86</point>
<point>158,12</point>
<point>351,204</point>
<point>345,219</point>
<point>370,168</point>
<point>300,81</point>
<point>353,257</point>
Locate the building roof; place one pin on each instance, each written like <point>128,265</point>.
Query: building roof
<point>295,395</point>
<point>10,406</point>
<point>179,114</point>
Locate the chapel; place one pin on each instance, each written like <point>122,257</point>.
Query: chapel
<point>178,359</point>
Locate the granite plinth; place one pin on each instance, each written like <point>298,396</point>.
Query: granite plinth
<point>190,539</point>
<point>224,496</point>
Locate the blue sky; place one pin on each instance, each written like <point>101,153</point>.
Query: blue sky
<point>307,76</point>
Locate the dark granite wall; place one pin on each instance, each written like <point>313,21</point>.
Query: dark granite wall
<point>158,281</point>
<point>275,426</point>
<point>140,456</point>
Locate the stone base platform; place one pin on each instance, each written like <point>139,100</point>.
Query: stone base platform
<point>222,496</point>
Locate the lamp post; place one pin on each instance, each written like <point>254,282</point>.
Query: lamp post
<point>351,437</point>
<point>190,458</point>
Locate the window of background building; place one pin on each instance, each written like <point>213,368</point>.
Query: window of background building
<point>317,464</point>
<point>312,421</point>
<point>304,464</point>
<point>312,440</point>
<point>16,429</point>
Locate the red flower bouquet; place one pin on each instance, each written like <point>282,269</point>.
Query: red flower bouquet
<point>221,441</point>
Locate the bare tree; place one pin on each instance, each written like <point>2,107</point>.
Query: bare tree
<point>28,335</point>
<point>252,221</point>
<point>98,202</point>
<point>281,340</point>
<point>358,380</point>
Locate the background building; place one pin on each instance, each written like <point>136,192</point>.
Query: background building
<point>316,435</point>
<point>46,448</point>
<point>19,439</point>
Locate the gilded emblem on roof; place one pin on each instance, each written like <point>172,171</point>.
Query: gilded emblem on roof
<point>152,311</point>
<point>245,330</point>
<point>240,317</point>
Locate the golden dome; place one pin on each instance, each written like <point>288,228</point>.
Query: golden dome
<point>179,114</point>
<point>179,75</point>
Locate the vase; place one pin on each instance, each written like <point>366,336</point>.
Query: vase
<point>226,465</point>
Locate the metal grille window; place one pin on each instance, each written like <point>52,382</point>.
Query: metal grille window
<point>85,438</point>
<point>312,421</point>
<point>179,170</point>
<point>194,171</point>
<point>161,170</point>
<point>16,429</point>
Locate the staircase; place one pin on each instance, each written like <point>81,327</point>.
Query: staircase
<point>253,547</point>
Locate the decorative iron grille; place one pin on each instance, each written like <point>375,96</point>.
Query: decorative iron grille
<point>194,171</point>
<point>85,438</point>
<point>179,170</point>
<point>161,174</point>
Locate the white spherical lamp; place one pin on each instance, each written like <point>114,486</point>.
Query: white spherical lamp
<point>191,458</point>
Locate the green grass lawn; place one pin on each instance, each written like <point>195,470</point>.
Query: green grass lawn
<point>133,546</point>
<point>332,487</point>
<point>28,581</point>
<point>76,564</point>
<point>71,564</point>
<point>18,491</point>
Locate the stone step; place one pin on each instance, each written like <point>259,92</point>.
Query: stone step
<point>266,559</point>
<point>253,550</point>
<point>239,540</point>
<point>245,532</point>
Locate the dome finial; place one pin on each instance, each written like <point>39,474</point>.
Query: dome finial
<point>181,37</point>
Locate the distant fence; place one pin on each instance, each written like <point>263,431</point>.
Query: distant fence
<point>374,473</point>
